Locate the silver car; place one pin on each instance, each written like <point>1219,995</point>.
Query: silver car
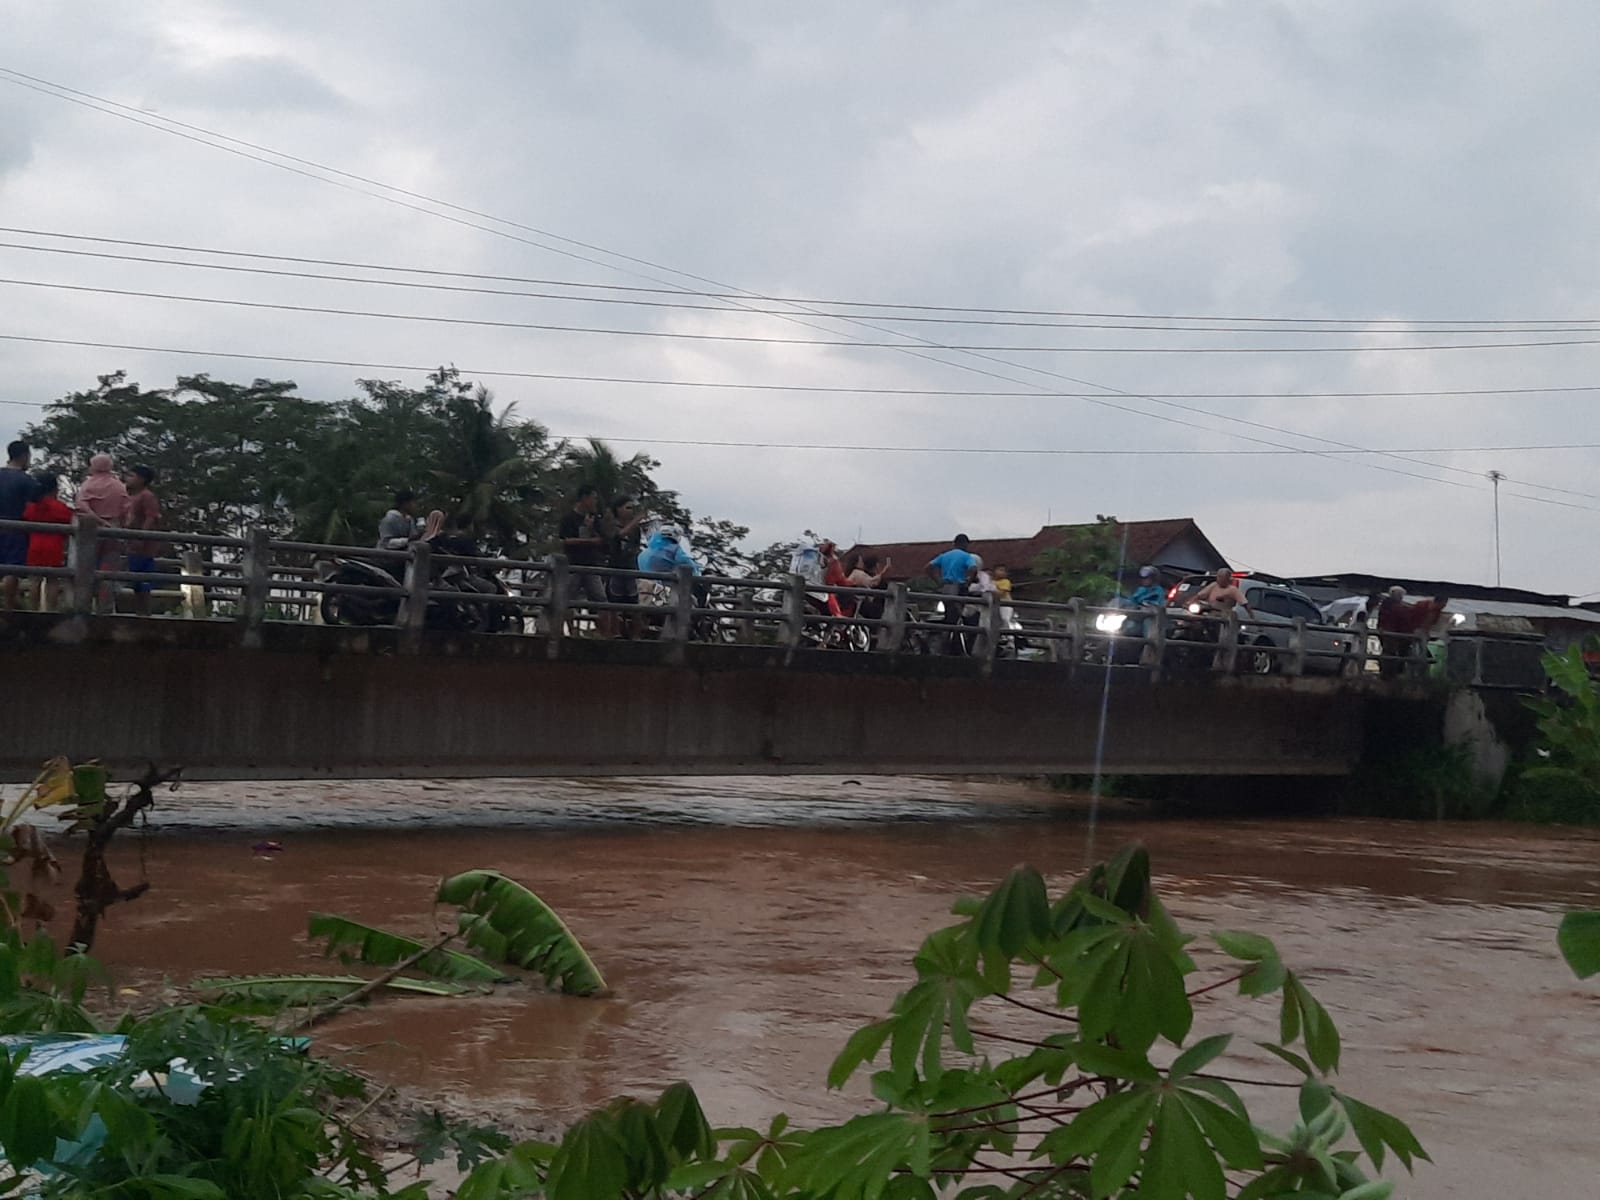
<point>1274,608</point>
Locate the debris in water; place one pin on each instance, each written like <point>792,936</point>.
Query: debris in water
<point>267,849</point>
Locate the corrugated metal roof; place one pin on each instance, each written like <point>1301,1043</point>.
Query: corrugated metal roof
<point>1146,541</point>
<point>1531,612</point>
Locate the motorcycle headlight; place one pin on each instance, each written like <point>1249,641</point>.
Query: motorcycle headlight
<point>1195,609</point>
<point>1110,622</point>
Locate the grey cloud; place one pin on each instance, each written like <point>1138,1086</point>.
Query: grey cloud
<point>249,83</point>
<point>1352,159</point>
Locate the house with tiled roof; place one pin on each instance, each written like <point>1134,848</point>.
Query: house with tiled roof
<point>1177,545</point>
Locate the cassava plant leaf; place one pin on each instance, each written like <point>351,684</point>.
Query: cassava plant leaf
<point>1579,939</point>
<point>1013,916</point>
<point>508,923</point>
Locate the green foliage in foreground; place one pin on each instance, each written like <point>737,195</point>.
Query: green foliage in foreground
<point>1564,787</point>
<point>1579,940</point>
<point>1048,1046</point>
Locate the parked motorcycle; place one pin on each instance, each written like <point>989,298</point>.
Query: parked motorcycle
<point>457,613</point>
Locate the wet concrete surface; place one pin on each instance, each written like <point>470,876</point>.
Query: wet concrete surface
<point>748,926</point>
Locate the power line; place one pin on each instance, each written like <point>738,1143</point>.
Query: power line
<point>1097,400</point>
<point>1137,326</point>
<point>1346,452</point>
<point>172,126</point>
<point>765,339</point>
<point>1074,451</point>
<point>814,389</point>
<point>1275,450</point>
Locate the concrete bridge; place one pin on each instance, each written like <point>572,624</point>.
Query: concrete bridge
<point>228,700</point>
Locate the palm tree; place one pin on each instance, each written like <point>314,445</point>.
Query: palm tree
<point>490,467</point>
<point>596,463</point>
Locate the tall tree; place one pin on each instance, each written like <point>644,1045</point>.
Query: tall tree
<point>1085,565</point>
<point>492,468</point>
<point>231,456</point>
<point>227,456</point>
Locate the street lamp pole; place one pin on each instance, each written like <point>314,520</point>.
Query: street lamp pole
<point>1495,477</point>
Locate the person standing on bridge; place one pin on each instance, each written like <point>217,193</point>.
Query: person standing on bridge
<point>1223,594</point>
<point>17,490</point>
<point>103,496</point>
<point>1403,629</point>
<point>144,512</point>
<point>1222,597</point>
<point>584,547</point>
<point>47,549</point>
<point>398,527</point>
<point>952,571</point>
<point>624,540</point>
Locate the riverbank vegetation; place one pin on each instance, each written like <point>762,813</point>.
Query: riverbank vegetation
<point>1074,1044</point>
<point>1561,782</point>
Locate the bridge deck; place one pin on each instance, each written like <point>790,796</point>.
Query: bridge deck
<point>311,701</point>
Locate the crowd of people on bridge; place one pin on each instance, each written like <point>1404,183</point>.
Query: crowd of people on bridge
<point>120,501</point>
<point>604,542</point>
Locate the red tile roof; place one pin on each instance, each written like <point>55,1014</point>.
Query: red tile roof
<point>1146,542</point>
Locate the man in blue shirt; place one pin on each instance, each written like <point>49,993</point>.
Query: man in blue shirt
<point>17,488</point>
<point>951,571</point>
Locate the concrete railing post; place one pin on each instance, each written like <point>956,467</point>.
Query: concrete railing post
<point>794,611</point>
<point>1228,643</point>
<point>257,570</point>
<point>414,610</point>
<point>196,601</point>
<point>892,637</point>
<point>1075,639</point>
<point>1297,648</point>
<point>682,622</point>
<point>989,639</point>
<point>85,562</point>
<point>555,603</point>
<point>1356,655</point>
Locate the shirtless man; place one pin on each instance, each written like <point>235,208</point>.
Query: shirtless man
<point>1223,594</point>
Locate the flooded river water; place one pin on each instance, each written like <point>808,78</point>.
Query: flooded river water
<point>747,926</point>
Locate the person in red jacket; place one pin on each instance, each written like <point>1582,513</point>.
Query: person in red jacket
<point>47,549</point>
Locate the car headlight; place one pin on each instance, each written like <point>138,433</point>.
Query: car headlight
<point>1458,618</point>
<point>1110,622</point>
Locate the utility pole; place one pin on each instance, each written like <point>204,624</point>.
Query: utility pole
<point>1495,477</point>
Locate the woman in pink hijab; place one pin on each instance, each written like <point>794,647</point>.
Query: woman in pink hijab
<point>104,495</point>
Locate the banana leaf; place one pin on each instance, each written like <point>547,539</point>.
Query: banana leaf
<point>269,993</point>
<point>355,942</point>
<point>508,923</point>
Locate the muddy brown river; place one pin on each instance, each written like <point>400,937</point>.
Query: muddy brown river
<point>747,926</point>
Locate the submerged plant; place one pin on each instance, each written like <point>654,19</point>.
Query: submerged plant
<point>504,923</point>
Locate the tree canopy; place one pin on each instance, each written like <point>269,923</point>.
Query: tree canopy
<point>1086,563</point>
<point>232,456</point>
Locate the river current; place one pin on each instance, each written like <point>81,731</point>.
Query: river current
<point>748,926</point>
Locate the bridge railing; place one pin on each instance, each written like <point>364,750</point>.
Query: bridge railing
<point>257,579</point>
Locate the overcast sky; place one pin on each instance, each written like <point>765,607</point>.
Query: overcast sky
<point>1417,160</point>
